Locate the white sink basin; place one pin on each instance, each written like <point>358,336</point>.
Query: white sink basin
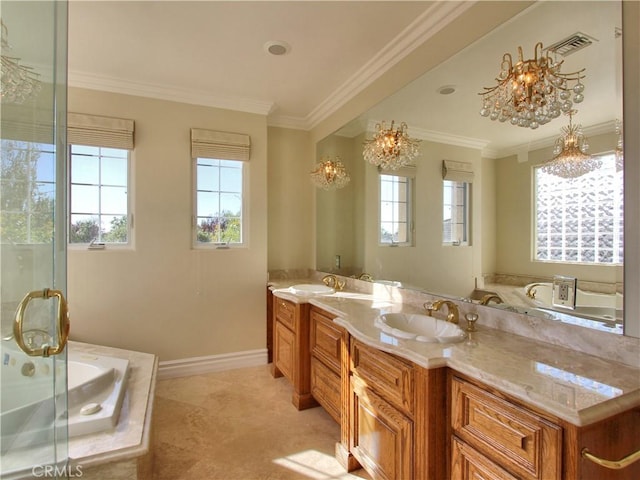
<point>421,328</point>
<point>310,289</point>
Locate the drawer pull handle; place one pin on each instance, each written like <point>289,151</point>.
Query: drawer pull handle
<point>612,464</point>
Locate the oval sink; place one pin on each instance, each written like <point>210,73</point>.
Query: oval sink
<point>421,328</point>
<point>310,289</point>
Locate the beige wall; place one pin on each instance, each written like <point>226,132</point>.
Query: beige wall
<point>163,296</point>
<point>290,212</point>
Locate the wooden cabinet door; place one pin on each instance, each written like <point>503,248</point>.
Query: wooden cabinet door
<point>469,464</point>
<point>325,388</point>
<point>284,350</point>
<point>325,339</point>
<point>381,435</point>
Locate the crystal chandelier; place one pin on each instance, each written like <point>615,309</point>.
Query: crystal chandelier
<point>391,149</point>
<point>330,174</point>
<point>571,159</point>
<point>18,83</point>
<point>619,150</point>
<point>531,92</point>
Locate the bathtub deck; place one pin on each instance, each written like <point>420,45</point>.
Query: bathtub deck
<point>131,438</point>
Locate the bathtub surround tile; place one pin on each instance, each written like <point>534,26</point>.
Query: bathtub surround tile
<point>240,424</point>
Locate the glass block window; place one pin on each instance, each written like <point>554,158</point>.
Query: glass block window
<point>581,219</point>
<point>219,202</point>
<point>395,210</point>
<point>455,221</point>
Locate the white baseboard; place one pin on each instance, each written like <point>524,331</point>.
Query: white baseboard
<point>211,363</point>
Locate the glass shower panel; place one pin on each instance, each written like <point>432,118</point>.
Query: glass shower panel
<point>33,406</point>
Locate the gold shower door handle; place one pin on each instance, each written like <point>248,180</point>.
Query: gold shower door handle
<point>62,318</point>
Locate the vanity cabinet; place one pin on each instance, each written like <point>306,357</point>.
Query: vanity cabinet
<point>325,340</point>
<point>291,356</point>
<point>496,438</point>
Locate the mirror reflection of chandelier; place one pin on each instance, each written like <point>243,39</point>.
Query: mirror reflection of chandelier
<point>18,83</point>
<point>330,174</point>
<point>531,92</point>
<point>571,159</point>
<point>391,149</point>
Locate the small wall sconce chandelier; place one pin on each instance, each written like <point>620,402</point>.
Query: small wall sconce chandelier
<point>330,174</point>
<point>571,159</point>
<point>531,92</point>
<point>391,149</point>
<point>19,83</point>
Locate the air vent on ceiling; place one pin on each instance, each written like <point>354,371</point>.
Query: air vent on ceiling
<point>571,44</point>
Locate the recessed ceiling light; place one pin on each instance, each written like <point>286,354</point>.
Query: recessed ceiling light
<point>277,47</point>
<point>446,89</point>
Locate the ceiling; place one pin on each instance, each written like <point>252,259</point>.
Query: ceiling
<point>455,118</point>
<point>212,52</point>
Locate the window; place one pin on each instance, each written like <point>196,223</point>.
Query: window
<point>395,210</point>
<point>455,202</point>
<point>580,219</point>
<point>98,198</point>
<point>27,182</point>
<point>219,202</point>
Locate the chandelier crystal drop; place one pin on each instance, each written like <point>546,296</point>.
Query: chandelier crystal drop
<point>391,149</point>
<point>18,83</point>
<point>330,174</point>
<point>571,159</point>
<point>531,92</point>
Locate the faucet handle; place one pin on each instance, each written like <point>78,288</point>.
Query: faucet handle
<point>340,284</point>
<point>428,306</point>
<point>471,321</point>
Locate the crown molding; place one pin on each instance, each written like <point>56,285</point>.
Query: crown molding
<point>593,130</point>
<point>164,92</point>
<point>430,22</point>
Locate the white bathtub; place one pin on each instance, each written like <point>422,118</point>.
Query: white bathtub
<point>595,306</point>
<point>95,391</point>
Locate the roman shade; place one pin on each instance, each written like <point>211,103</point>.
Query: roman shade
<point>84,129</point>
<point>220,145</point>
<point>457,171</point>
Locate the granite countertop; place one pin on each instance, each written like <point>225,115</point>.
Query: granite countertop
<point>574,386</point>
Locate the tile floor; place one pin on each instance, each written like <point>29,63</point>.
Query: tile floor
<point>240,425</point>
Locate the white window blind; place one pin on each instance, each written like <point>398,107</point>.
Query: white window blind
<point>457,171</point>
<point>97,131</point>
<point>220,145</point>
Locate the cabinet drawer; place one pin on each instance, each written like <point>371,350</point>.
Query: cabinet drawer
<point>285,312</point>
<point>388,375</point>
<point>325,388</point>
<point>325,340</point>
<point>514,437</point>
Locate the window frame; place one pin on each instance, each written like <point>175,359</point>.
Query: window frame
<point>410,222</point>
<point>466,241</point>
<point>244,212</point>
<point>101,244</point>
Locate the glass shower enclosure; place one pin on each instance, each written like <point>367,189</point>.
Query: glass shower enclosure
<point>33,321</point>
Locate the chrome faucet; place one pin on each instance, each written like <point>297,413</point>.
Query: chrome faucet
<point>332,281</point>
<point>488,297</point>
<point>452,309</point>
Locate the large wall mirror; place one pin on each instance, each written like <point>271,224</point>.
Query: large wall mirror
<point>501,251</point>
